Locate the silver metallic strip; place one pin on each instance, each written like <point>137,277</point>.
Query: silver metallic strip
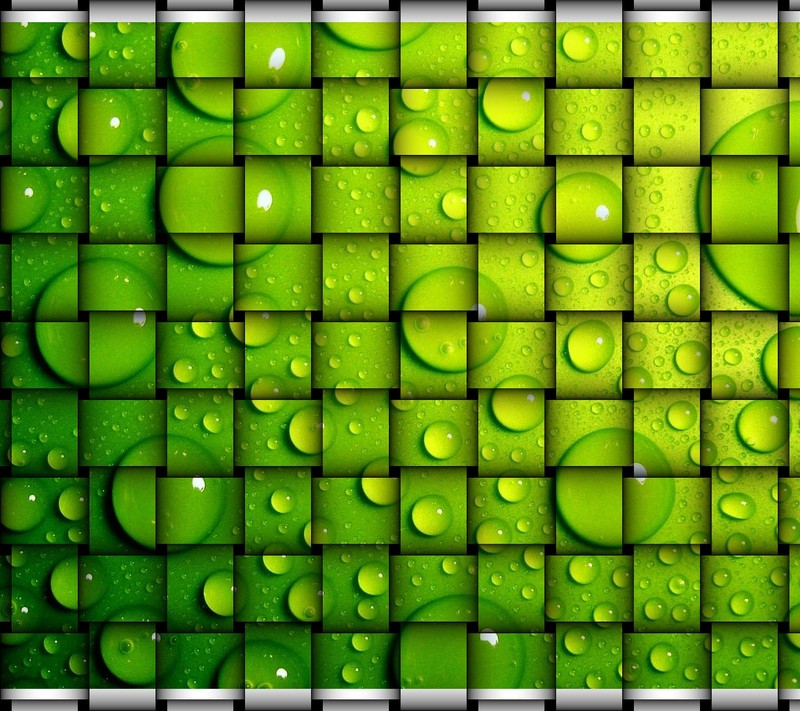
<point>511,4</point>
<point>582,699</point>
<point>45,16</point>
<point>666,694</point>
<point>511,694</point>
<point>334,705</point>
<point>355,694</point>
<point>199,694</point>
<point>441,11</point>
<point>789,16</point>
<point>122,699</point>
<point>44,706</point>
<point>285,699</point>
<point>588,11</point>
<point>666,4</point>
<point>751,699</point>
<point>355,4</point>
<point>511,16</point>
<point>200,705</point>
<point>277,11</point>
<point>44,694</point>
<point>200,4</point>
<point>425,699</point>
<point>666,705</point>
<point>356,16</point>
<point>44,4</point>
<point>199,16</point>
<point>127,11</point>
<point>511,705</point>
<point>732,11</point>
<point>666,16</point>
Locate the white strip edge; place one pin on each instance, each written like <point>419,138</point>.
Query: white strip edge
<point>128,11</point>
<point>511,694</point>
<point>355,694</point>
<point>200,4</point>
<point>511,5</point>
<point>666,694</point>
<point>122,699</point>
<point>587,11</point>
<point>789,16</point>
<point>666,16</point>
<point>582,699</point>
<point>440,11</point>
<point>45,16</point>
<point>199,694</point>
<point>285,699</point>
<point>44,694</point>
<point>425,699</point>
<point>44,4</point>
<point>789,694</point>
<point>735,699</point>
<point>199,16</point>
<point>355,4</point>
<point>259,11</point>
<point>731,11</point>
<point>355,16</point>
<point>666,4</point>
<point>511,16</point>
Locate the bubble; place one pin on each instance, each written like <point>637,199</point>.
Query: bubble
<point>663,657</point>
<point>75,40</point>
<point>598,279</point>
<point>677,584</point>
<point>305,598</point>
<point>278,564</point>
<point>64,583</point>
<point>454,204</point>
<point>373,579</point>
<point>307,431</point>
<point>432,515</point>
<point>184,371</point>
<point>671,257</point>
<point>442,440</point>
<point>763,425</point>
<point>421,137</point>
<point>637,341</point>
<point>361,642</point>
<point>513,490</point>
<point>584,569</point>
<point>73,504</point>
<point>419,99</point>
<point>789,530</point>
<point>367,610</point>
<point>493,531</point>
<point>22,505</point>
<point>691,357</point>
<point>741,603</point>
<point>683,300</point>
<point>479,60</point>
<point>218,593</point>
<point>590,345</point>
<point>738,544</point>
<point>580,44</point>
<point>58,459</point>
<point>352,672</point>
<point>591,130</point>
<point>381,491</point>
<point>654,609</point>
<point>283,500</point>
<point>738,506</point>
<point>368,120</point>
<point>577,640</point>
<point>516,409</point>
<point>513,104</point>
<point>682,415</point>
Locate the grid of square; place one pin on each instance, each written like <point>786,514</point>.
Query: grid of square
<point>372,292</point>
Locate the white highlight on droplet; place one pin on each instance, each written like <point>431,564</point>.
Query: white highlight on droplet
<point>639,472</point>
<point>774,419</point>
<point>199,483</point>
<point>139,316</point>
<point>602,212</point>
<point>277,58</point>
<point>490,636</point>
<point>264,200</point>
<point>281,673</point>
<point>481,309</point>
<point>114,122</point>
<point>526,96</point>
<point>32,497</point>
<point>28,192</point>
